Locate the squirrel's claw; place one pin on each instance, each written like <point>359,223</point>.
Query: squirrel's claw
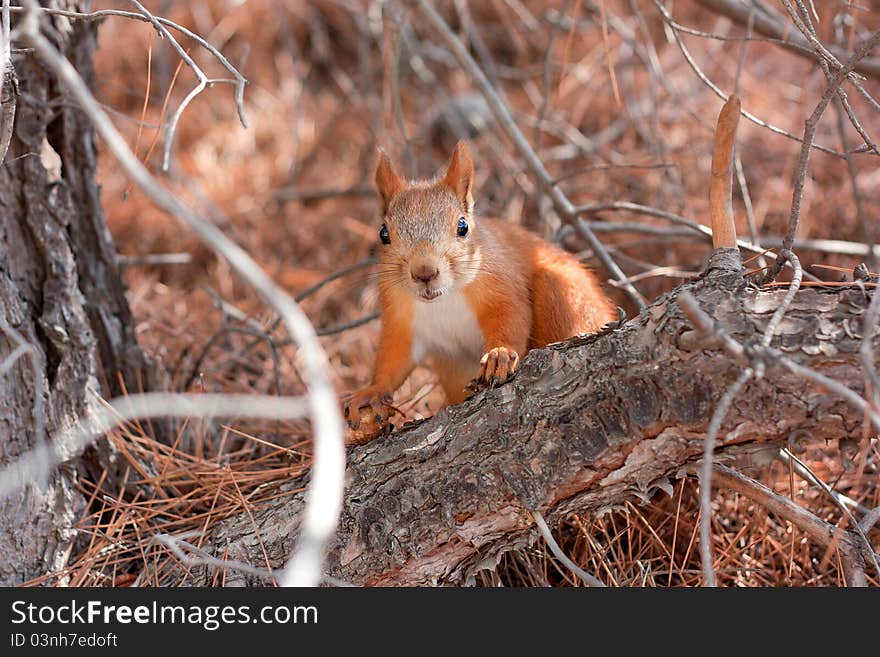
<point>367,413</point>
<point>496,366</point>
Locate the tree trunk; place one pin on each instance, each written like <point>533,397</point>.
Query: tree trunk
<point>61,290</point>
<point>582,427</point>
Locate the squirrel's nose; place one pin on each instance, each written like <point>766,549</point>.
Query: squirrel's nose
<point>424,274</point>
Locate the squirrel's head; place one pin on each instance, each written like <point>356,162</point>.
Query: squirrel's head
<point>428,239</point>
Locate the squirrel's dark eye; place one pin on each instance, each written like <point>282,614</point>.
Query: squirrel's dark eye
<point>383,235</point>
<point>462,227</point>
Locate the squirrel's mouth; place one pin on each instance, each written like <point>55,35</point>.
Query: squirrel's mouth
<point>431,295</point>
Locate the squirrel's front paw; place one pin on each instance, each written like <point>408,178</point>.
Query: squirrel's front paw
<point>367,412</point>
<point>497,365</point>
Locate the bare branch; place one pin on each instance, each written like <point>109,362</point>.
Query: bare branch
<point>154,259</point>
<point>239,80</point>
<point>870,520</point>
<point>868,229</point>
<point>809,132</point>
<point>808,476</point>
<point>311,194</point>
<point>817,529</point>
<point>869,550</point>
<point>199,88</point>
<point>32,465</point>
<point>637,208</point>
<point>706,474</point>
<point>841,247</point>
<point>339,273</point>
<point>718,92</point>
<point>347,326</point>
<point>771,25</point>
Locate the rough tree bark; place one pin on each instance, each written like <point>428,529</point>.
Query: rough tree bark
<point>61,290</point>
<point>583,426</point>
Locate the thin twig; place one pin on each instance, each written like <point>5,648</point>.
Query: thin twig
<point>311,194</point>
<point>807,475</point>
<point>153,259</point>
<point>201,85</point>
<point>870,520</point>
<point>240,81</point>
<point>772,26</point>
<point>347,326</point>
<point>202,558</point>
<point>866,351</point>
<point>339,273</point>
<point>840,247</point>
<point>704,323</point>
<point>706,474</point>
<point>177,544</point>
<point>804,23</point>
<point>718,92</point>
<point>809,131</point>
<point>867,225</point>
<point>545,97</point>
<point>547,535</point>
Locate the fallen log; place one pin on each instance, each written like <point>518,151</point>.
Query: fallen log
<point>582,427</point>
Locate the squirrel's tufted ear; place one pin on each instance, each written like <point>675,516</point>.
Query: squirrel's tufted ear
<point>388,183</point>
<point>459,176</point>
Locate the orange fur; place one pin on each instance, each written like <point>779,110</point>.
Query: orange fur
<point>453,378</point>
<point>367,410</point>
<point>497,290</point>
<point>395,341</point>
<point>567,299</point>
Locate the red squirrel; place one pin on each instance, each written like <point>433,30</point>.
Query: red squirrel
<point>467,296</point>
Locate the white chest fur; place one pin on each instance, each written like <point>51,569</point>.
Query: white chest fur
<point>446,327</point>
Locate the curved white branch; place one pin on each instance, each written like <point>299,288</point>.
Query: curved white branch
<point>31,466</point>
